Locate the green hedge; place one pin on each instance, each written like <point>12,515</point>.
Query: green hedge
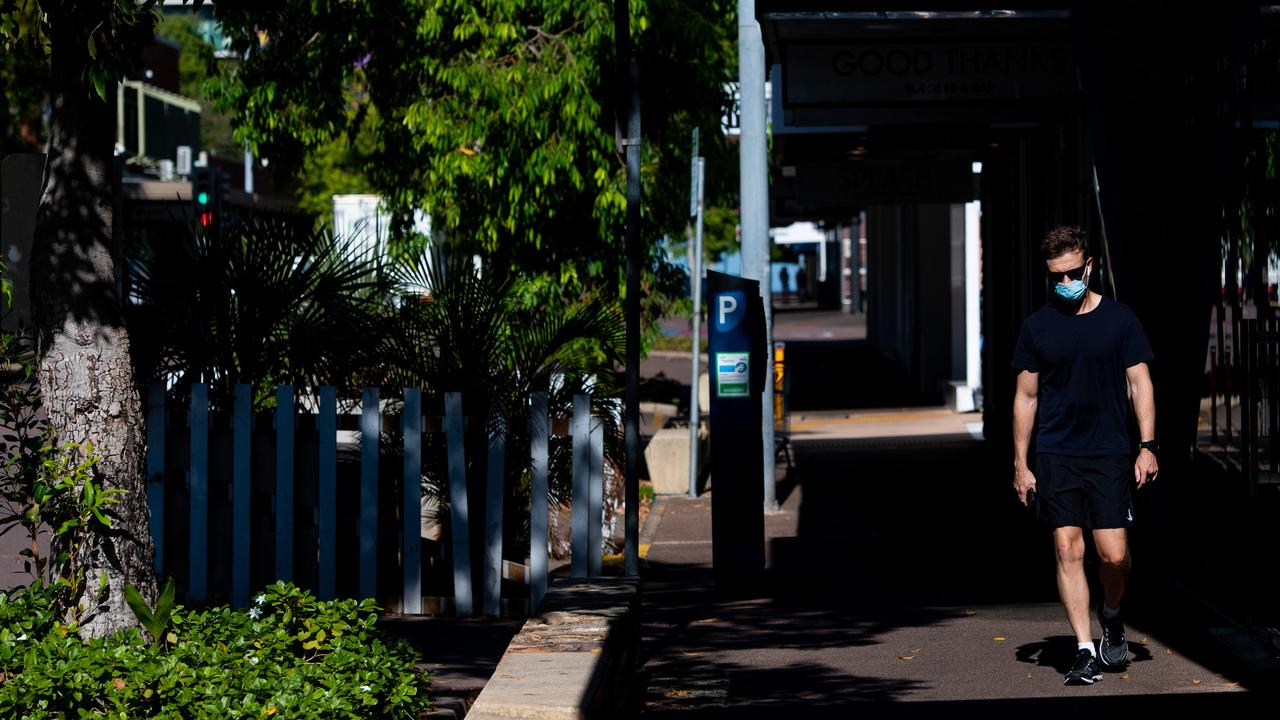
<point>289,656</point>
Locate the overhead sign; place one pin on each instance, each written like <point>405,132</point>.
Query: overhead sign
<point>879,73</point>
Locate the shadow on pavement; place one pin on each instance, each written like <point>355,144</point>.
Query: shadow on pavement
<point>460,653</point>
<point>889,538</point>
<point>1058,652</point>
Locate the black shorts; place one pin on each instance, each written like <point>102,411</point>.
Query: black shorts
<point>1087,491</point>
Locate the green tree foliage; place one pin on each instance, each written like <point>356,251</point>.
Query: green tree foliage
<point>719,233</point>
<point>497,118</point>
<point>24,87</point>
<point>196,63</point>
<point>335,168</point>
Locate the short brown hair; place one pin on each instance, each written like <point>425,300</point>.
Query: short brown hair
<point>1062,240</point>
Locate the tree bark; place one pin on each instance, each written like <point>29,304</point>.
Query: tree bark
<point>84,366</point>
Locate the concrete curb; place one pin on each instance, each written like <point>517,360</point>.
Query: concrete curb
<point>653,519</point>
<point>573,660</point>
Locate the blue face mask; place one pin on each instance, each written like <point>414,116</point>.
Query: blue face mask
<point>1071,292</point>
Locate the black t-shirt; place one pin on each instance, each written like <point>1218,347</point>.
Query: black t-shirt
<point>1081,361</point>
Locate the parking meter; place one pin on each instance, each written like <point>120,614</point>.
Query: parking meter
<point>738,359</point>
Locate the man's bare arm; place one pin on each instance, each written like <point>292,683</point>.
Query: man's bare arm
<point>1025,399</point>
<point>1143,395</point>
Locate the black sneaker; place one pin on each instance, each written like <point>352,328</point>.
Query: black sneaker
<point>1113,651</point>
<point>1085,671</point>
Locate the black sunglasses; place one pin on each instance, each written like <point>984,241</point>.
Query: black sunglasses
<point>1073,274</point>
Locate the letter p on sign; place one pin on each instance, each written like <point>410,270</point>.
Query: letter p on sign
<point>730,307</point>
<point>728,304</point>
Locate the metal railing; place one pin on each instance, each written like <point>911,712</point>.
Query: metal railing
<point>1260,402</point>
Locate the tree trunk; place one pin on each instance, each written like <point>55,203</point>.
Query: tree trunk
<point>84,366</point>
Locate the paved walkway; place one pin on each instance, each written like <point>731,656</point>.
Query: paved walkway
<point>904,580</point>
<point>928,423</point>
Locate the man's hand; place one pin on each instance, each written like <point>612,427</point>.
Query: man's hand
<point>1145,467</point>
<point>1023,480</point>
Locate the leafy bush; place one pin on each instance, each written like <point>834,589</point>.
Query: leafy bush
<point>289,655</point>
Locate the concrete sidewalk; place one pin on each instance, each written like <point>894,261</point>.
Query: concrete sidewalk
<point>900,582</point>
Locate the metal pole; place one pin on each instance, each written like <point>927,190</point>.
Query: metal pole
<point>753,151</point>
<point>695,279</point>
<point>248,153</point>
<point>1102,225</point>
<point>631,412</point>
<point>248,169</point>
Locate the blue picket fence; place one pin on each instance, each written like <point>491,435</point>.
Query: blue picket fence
<point>293,467</point>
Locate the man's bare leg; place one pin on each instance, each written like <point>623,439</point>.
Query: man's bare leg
<point>1113,551</point>
<point>1073,588</point>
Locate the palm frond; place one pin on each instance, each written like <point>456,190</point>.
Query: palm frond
<point>266,302</point>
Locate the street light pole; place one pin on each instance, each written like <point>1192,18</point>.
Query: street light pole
<point>695,279</point>
<point>754,187</point>
<point>631,411</point>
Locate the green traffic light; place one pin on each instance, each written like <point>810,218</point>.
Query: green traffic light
<point>203,198</point>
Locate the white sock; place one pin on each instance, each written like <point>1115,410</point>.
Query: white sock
<point>1087,646</point>
<point>1109,612</point>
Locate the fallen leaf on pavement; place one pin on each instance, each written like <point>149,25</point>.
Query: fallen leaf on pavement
<point>706,620</point>
<point>1195,682</point>
<point>1124,677</point>
<point>970,613</point>
<point>1143,640</point>
<point>676,693</point>
<point>999,639</point>
<point>916,651</point>
<point>691,654</point>
<point>906,657</point>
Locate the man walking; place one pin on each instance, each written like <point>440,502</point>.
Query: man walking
<point>1082,359</point>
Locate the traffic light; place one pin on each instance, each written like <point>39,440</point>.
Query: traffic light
<point>202,195</point>
<point>208,192</point>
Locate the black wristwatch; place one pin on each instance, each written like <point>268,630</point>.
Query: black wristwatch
<point>1149,445</point>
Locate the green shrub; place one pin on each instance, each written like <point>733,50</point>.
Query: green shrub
<point>289,656</point>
